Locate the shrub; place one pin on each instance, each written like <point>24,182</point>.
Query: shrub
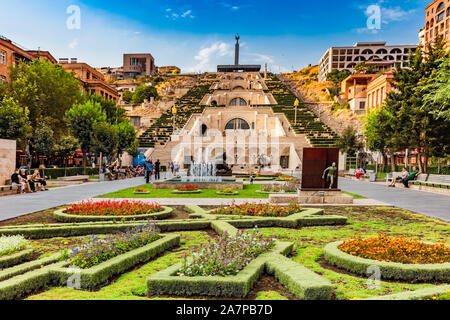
<point>397,249</point>
<point>12,244</point>
<point>227,255</point>
<point>141,190</point>
<point>97,250</point>
<point>228,190</point>
<point>261,210</point>
<point>113,208</point>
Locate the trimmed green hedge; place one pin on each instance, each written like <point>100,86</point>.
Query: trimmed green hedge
<point>82,229</point>
<point>55,173</point>
<point>60,216</point>
<point>301,281</point>
<point>28,266</point>
<point>415,295</point>
<point>389,270</point>
<point>100,274</point>
<point>16,258</point>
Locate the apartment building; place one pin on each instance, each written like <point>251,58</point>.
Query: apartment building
<point>437,22</point>
<point>137,65</point>
<point>378,89</point>
<point>378,54</point>
<point>11,54</point>
<point>91,79</point>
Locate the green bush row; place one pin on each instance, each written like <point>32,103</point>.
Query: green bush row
<point>60,216</point>
<point>100,274</point>
<point>28,266</point>
<point>389,270</point>
<point>82,229</point>
<point>54,173</point>
<point>167,282</point>
<point>16,258</point>
<point>301,281</point>
<point>415,295</point>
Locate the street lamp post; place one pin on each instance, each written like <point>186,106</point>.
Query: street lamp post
<point>296,104</point>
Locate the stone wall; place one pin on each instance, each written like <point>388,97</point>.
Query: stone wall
<point>7,159</point>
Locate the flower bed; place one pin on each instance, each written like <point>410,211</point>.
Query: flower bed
<point>97,250</point>
<point>258,210</point>
<point>113,208</point>
<point>393,249</point>
<point>187,189</point>
<point>226,255</point>
<point>289,187</point>
<point>228,192</point>
<point>141,191</point>
<point>12,244</point>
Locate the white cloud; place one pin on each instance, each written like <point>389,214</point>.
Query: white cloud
<point>184,15</point>
<point>175,15</point>
<point>208,58</point>
<point>395,14</point>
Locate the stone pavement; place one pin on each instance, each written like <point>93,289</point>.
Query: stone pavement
<point>19,205</point>
<point>430,204</point>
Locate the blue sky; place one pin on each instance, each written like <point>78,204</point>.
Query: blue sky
<point>198,35</point>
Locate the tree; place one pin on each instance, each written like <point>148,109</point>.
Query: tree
<point>81,120</point>
<point>14,123</point>
<point>412,121</point>
<point>43,140</point>
<point>364,68</point>
<point>126,139</point>
<point>349,142</point>
<point>144,93</point>
<point>47,90</point>
<point>439,86</point>
<point>67,147</point>
<point>114,114</point>
<point>377,132</point>
<point>106,138</point>
<point>337,76</point>
<point>127,96</point>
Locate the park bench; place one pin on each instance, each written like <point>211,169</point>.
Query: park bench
<point>8,189</point>
<point>433,180</point>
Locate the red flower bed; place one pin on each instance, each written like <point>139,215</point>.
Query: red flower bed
<point>113,208</point>
<point>188,188</point>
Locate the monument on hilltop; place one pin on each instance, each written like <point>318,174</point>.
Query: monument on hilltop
<point>237,67</point>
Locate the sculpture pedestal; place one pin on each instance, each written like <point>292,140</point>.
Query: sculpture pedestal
<point>325,196</point>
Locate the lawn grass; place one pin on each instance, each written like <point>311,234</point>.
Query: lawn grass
<point>309,244</point>
<point>355,196</point>
<point>248,192</point>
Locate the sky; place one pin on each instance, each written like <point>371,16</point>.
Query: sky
<point>198,35</point>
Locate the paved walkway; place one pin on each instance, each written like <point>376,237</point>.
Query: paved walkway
<point>15,206</point>
<point>427,203</point>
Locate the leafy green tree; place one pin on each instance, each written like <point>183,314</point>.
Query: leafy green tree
<point>439,87</point>
<point>106,138</point>
<point>114,114</point>
<point>127,96</point>
<point>349,142</point>
<point>43,140</point>
<point>337,76</point>
<point>413,124</point>
<point>377,132</point>
<point>66,148</point>
<point>14,123</point>
<point>47,90</point>
<point>126,138</point>
<point>144,93</point>
<point>82,119</point>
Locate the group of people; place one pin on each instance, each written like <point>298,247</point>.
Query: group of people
<point>405,177</point>
<point>28,183</point>
<point>174,168</point>
<point>152,169</point>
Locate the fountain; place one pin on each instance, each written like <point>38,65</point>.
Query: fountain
<point>203,174</point>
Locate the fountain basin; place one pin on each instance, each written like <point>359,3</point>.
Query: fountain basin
<point>217,184</point>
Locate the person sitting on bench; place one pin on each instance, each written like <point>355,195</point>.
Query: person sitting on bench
<point>412,176</point>
<point>37,179</point>
<point>28,182</point>
<point>405,174</point>
<point>360,173</point>
<point>16,180</point>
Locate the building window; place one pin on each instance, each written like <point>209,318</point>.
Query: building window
<point>440,7</point>
<point>362,105</point>
<point>238,102</point>
<point>237,124</point>
<point>3,57</point>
